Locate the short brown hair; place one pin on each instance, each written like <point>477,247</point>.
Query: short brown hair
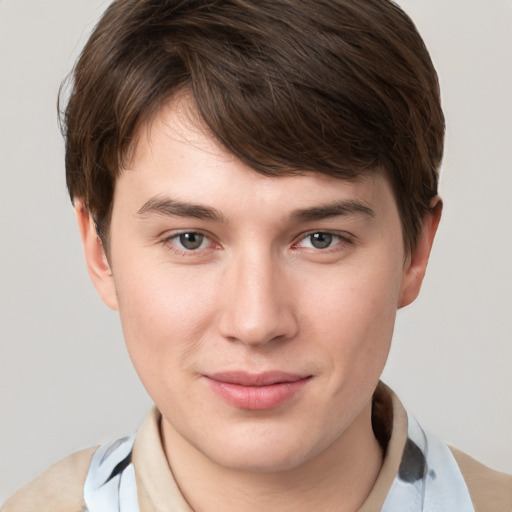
<point>340,87</point>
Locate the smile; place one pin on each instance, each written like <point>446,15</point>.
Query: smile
<point>256,391</point>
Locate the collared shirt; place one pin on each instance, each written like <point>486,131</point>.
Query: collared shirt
<point>61,487</point>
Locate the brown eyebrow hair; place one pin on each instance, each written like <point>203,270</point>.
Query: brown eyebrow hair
<point>343,207</point>
<point>161,205</point>
<point>168,206</point>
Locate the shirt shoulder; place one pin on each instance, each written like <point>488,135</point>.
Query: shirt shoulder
<point>490,490</point>
<point>58,489</point>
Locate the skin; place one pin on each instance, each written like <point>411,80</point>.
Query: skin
<point>258,294</point>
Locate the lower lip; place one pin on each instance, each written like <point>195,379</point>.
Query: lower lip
<point>257,398</point>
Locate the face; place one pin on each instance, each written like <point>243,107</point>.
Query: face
<point>258,311</point>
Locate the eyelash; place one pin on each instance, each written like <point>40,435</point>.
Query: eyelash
<point>169,242</point>
<point>343,239</point>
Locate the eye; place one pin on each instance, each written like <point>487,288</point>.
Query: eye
<point>190,241</point>
<point>322,240</point>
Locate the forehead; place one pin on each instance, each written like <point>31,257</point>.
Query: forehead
<point>176,155</point>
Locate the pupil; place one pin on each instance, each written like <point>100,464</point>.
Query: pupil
<point>321,240</point>
<point>191,240</point>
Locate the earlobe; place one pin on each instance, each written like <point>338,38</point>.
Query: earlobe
<point>418,260</point>
<point>96,260</point>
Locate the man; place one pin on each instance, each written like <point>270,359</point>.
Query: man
<point>256,189</point>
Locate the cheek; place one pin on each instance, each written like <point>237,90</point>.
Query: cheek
<point>165,316</point>
<point>352,313</point>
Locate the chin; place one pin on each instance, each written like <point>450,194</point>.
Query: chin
<point>264,461</point>
<point>263,452</point>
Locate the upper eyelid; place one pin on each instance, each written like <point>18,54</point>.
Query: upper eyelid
<point>173,234</point>
<point>344,235</point>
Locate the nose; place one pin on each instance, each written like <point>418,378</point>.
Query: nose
<point>258,305</point>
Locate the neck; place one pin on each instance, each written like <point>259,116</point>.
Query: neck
<point>339,478</point>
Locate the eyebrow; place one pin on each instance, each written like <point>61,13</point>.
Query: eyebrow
<point>167,206</point>
<point>338,208</point>
<point>171,207</point>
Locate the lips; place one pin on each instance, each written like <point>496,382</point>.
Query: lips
<point>256,391</point>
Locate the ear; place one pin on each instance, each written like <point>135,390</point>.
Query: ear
<point>416,265</point>
<point>95,257</point>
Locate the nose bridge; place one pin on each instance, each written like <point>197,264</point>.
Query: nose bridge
<point>257,308</point>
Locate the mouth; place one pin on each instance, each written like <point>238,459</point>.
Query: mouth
<point>260,391</point>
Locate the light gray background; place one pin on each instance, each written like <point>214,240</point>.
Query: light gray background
<point>65,380</point>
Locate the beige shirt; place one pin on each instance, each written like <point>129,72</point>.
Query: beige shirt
<point>60,488</point>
